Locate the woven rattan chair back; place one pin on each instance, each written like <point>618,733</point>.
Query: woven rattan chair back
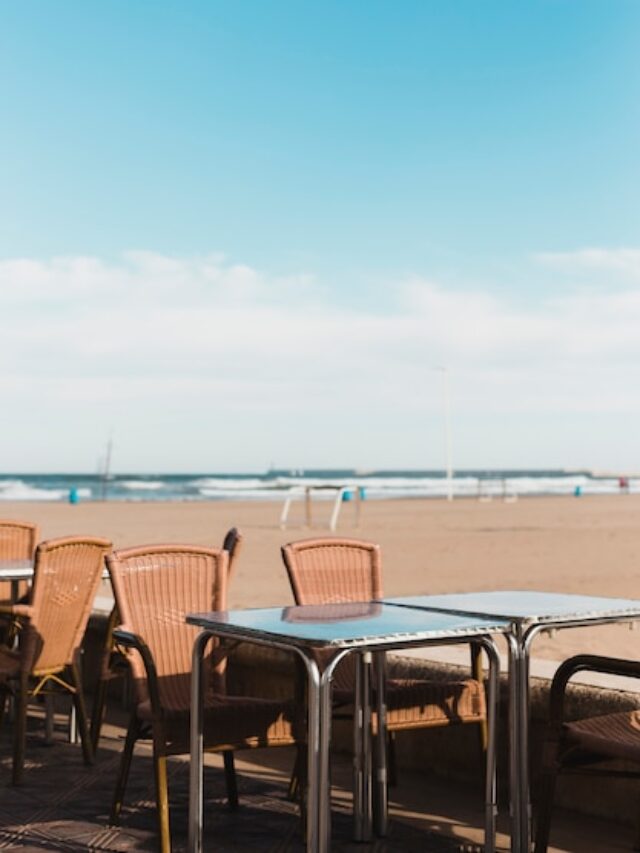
<point>66,576</point>
<point>332,570</point>
<point>17,539</point>
<point>17,542</point>
<point>232,544</point>
<point>155,586</point>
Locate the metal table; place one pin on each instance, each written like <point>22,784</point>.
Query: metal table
<point>528,613</point>
<point>16,571</point>
<point>321,636</point>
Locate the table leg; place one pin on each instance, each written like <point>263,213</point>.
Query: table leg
<point>316,831</point>
<point>525,647</point>
<point>491,800</point>
<point>362,805</point>
<point>322,781</point>
<point>197,760</point>
<point>317,716</point>
<point>380,801</point>
<point>525,804</point>
<point>515,739</point>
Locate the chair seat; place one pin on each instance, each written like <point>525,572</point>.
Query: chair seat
<point>414,703</point>
<point>610,735</point>
<point>232,722</point>
<point>418,703</point>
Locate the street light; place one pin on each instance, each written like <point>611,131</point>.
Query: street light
<point>448,443</point>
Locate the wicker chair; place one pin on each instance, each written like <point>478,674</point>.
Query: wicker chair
<point>17,542</point>
<point>155,587</point>
<point>328,570</point>
<point>114,665</point>
<point>579,746</point>
<point>66,576</point>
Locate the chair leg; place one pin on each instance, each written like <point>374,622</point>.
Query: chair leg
<point>293,791</point>
<point>546,795</point>
<point>4,700</point>
<point>477,671</point>
<point>162,792</point>
<point>20,731</point>
<point>297,782</point>
<point>230,777</point>
<point>123,773</point>
<point>636,843</point>
<point>81,714</point>
<point>97,711</point>
<point>392,767</point>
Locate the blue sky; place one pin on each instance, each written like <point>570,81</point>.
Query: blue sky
<point>243,233</point>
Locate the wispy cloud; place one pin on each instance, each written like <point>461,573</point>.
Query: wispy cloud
<point>625,262</point>
<point>152,340</point>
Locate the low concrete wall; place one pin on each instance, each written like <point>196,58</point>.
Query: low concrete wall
<point>455,752</point>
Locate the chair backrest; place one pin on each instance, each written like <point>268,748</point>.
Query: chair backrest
<point>155,586</point>
<point>232,544</point>
<point>17,539</point>
<point>332,570</point>
<point>17,542</point>
<point>67,574</point>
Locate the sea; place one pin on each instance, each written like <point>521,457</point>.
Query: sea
<point>277,484</point>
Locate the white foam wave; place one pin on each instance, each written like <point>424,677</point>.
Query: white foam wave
<point>142,485</point>
<point>216,484</point>
<point>248,494</point>
<point>16,490</point>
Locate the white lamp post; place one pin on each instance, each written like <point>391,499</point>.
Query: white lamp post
<point>448,443</point>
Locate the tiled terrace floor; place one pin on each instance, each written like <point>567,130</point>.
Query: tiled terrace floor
<point>63,806</point>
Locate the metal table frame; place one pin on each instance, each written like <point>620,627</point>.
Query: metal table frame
<point>16,571</point>
<point>523,630</point>
<point>318,827</point>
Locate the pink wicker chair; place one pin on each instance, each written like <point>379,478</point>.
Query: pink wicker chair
<point>114,665</point>
<point>333,570</point>
<point>51,627</point>
<point>155,587</point>
<point>17,542</point>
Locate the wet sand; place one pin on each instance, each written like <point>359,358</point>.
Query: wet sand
<point>589,545</point>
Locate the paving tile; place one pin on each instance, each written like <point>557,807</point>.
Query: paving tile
<point>63,805</point>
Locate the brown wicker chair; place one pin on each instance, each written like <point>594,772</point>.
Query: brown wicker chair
<point>114,665</point>
<point>579,746</point>
<point>328,570</point>
<point>66,576</point>
<point>17,542</point>
<point>155,587</point>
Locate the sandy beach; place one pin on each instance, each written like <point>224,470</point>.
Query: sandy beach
<point>589,545</point>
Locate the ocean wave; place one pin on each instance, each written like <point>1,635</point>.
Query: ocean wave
<point>248,494</point>
<point>141,485</point>
<point>277,486</point>
<point>215,484</point>
<point>17,490</point>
